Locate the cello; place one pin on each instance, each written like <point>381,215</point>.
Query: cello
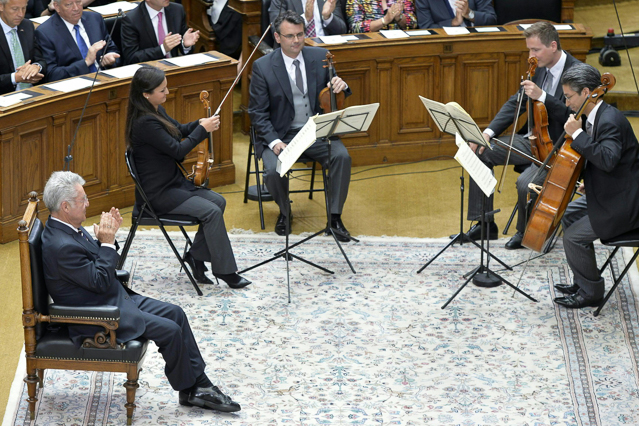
<point>205,158</point>
<point>558,188</point>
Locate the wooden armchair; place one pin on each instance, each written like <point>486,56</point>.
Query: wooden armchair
<point>50,346</point>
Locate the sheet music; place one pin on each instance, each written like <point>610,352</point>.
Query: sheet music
<point>440,115</point>
<point>357,118</point>
<point>480,173</point>
<point>300,143</point>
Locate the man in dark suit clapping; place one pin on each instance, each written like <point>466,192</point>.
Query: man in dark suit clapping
<point>72,42</point>
<point>154,30</point>
<point>21,64</point>
<point>80,271</point>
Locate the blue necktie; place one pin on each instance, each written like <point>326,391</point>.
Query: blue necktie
<point>82,46</point>
<point>450,8</point>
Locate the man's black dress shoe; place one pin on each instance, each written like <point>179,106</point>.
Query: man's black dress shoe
<point>515,242</point>
<point>211,398</point>
<point>341,233</point>
<point>567,289</point>
<point>474,233</point>
<point>233,280</point>
<point>280,226</point>
<point>577,301</point>
<point>197,269</point>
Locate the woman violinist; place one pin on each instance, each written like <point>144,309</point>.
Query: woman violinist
<point>611,204</point>
<point>158,143</point>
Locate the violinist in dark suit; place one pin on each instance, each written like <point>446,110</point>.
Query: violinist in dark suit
<point>611,172</point>
<point>80,271</point>
<point>72,42</point>
<point>284,93</point>
<point>543,43</point>
<point>447,13</point>
<point>158,143</point>
<point>21,63</point>
<point>143,40</point>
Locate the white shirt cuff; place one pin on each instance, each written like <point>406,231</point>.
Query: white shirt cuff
<point>275,142</point>
<point>108,245</point>
<point>577,133</point>
<point>542,98</point>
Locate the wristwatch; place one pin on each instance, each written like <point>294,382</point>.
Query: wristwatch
<point>471,15</point>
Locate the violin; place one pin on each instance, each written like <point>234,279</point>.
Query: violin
<point>200,173</point>
<point>540,141</point>
<point>330,101</point>
<point>560,182</point>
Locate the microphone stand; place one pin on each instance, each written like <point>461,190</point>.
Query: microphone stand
<point>68,158</point>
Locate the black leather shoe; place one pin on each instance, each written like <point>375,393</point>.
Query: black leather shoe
<point>474,233</point>
<point>280,226</point>
<point>567,289</point>
<point>515,242</point>
<point>341,233</point>
<point>233,280</point>
<point>577,301</point>
<point>211,398</point>
<point>197,269</point>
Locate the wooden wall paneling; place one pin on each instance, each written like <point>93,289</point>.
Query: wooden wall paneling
<point>363,84</point>
<point>31,162</point>
<point>388,106</point>
<point>477,94</point>
<point>115,143</point>
<point>415,77</point>
<point>90,151</point>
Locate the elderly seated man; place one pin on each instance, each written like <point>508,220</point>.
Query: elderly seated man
<point>80,271</point>
<point>72,42</point>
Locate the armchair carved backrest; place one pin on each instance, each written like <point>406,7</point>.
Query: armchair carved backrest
<point>49,347</point>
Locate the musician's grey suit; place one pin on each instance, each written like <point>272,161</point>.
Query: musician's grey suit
<point>272,112</point>
<point>611,204</point>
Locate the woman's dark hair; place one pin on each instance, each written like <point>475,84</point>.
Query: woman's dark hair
<point>145,80</point>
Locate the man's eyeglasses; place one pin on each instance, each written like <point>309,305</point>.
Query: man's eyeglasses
<point>292,36</point>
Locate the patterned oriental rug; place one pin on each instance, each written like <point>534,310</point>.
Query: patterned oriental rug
<point>373,347</point>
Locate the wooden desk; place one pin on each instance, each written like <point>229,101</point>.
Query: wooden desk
<point>478,70</point>
<point>34,136</point>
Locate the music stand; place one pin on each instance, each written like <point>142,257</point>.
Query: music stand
<point>451,118</point>
<point>482,275</point>
<point>350,120</point>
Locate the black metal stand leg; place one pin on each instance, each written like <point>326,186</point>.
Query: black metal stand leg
<point>285,253</point>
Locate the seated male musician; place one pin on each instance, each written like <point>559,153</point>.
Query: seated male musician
<point>543,43</point>
<point>284,93</point>
<point>611,172</point>
<point>454,13</point>
<point>80,271</point>
<point>72,42</point>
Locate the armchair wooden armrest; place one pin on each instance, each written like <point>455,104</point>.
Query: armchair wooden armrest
<point>105,316</point>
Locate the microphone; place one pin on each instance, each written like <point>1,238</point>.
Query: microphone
<point>69,157</point>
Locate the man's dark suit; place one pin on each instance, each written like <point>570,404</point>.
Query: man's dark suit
<point>139,42</point>
<point>272,111</point>
<point>61,51</point>
<point>611,205</point>
<point>336,26</point>
<point>80,272</point>
<point>435,13</point>
<point>558,113</point>
<point>30,50</point>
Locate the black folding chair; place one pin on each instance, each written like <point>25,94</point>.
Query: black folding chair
<point>629,239</point>
<point>146,216</point>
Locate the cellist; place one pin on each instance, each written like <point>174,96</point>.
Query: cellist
<point>611,204</point>
<point>543,43</point>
